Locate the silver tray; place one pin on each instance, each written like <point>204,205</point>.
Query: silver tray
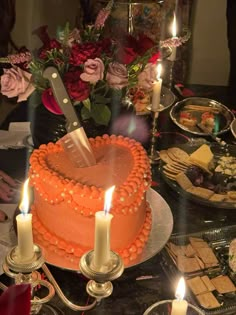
<point>162,225</point>
<point>224,117</point>
<point>218,239</point>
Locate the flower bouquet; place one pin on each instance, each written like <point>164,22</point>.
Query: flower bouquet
<point>97,71</point>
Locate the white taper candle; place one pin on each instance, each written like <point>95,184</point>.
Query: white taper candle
<point>24,228</point>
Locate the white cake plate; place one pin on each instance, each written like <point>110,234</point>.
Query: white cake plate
<point>162,225</point>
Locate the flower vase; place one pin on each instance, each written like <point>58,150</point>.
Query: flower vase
<point>48,127</point>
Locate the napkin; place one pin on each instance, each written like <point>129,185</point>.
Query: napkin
<point>16,300</point>
<point>16,137</point>
<point>8,237</point>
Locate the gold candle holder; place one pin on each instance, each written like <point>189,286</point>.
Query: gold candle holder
<point>167,99</point>
<point>100,285</point>
<point>153,154</point>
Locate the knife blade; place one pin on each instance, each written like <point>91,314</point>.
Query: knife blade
<point>75,142</point>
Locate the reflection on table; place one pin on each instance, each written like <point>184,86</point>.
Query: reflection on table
<point>146,283</point>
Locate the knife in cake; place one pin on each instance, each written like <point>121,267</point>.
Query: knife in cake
<point>75,142</point>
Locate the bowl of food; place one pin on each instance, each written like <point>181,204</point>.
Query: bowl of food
<point>202,116</point>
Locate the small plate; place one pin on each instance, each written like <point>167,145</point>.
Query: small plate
<point>198,105</point>
<point>167,99</point>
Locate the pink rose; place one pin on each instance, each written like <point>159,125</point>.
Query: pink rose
<point>117,75</point>
<point>147,77</point>
<point>93,70</point>
<point>16,83</point>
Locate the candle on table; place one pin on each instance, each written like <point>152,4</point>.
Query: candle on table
<point>102,233</point>
<point>156,92</point>
<point>179,305</point>
<point>24,228</point>
<point>172,57</point>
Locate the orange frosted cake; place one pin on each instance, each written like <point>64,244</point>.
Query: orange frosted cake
<point>66,198</point>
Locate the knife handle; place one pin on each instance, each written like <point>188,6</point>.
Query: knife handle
<point>62,97</point>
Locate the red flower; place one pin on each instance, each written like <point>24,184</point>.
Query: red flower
<point>50,103</point>
<point>77,89</point>
<point>106,46</point>
<point>126,55</point>
<point>42,33</point>
<point>130,48</point>
<point>53,43</point>
<point>81,52</point>
<point>144,43</point>
<point>155,58</point>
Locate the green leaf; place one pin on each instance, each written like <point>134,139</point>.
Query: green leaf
<point>87,104</point>
<point>101,114</point>
<point>100,99</point>
<point>85,113</point>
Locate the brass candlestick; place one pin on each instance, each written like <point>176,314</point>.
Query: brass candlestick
<point>167,99</point>
<point>153,155</point>
<point>100,285</point>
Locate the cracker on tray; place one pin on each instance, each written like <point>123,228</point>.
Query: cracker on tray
<point>169,175</point>
<point>196,285</point>
<point>185,250</point>
<point>187,264</point>
<point>197,242</point>
<point>223,284</point>
<point>183,181</point>
<point>207,255</point>
<point>189,251</point>
<point>201,192</point>
<point>217,197</point>
<point>179,153</point>
<point>165,157</point>
<point>169,168</point>
<point>207,300</point>
<point>208,283</point>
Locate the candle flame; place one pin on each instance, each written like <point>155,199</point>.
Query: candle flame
<point>180,291</point>
<point>108,198</point>
<point>174,27</point>
<point>24,205</point>
<point>159,69</point>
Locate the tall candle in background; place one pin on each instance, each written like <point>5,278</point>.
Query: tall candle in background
<point>24,228</point>
<point>179,306</point>
<point>172,57</point>
<point>102,233</point>
<point>156,92</point>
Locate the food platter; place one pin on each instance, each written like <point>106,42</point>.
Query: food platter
<point>218,151</point>
<point>162,225</point>
<point>190,115</point>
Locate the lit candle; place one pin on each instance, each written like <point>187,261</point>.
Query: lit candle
<point>179,306</point>
<point>172,57</point>
<point>102,233</point>
<point>24,228</point>
<point>156,92</point>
